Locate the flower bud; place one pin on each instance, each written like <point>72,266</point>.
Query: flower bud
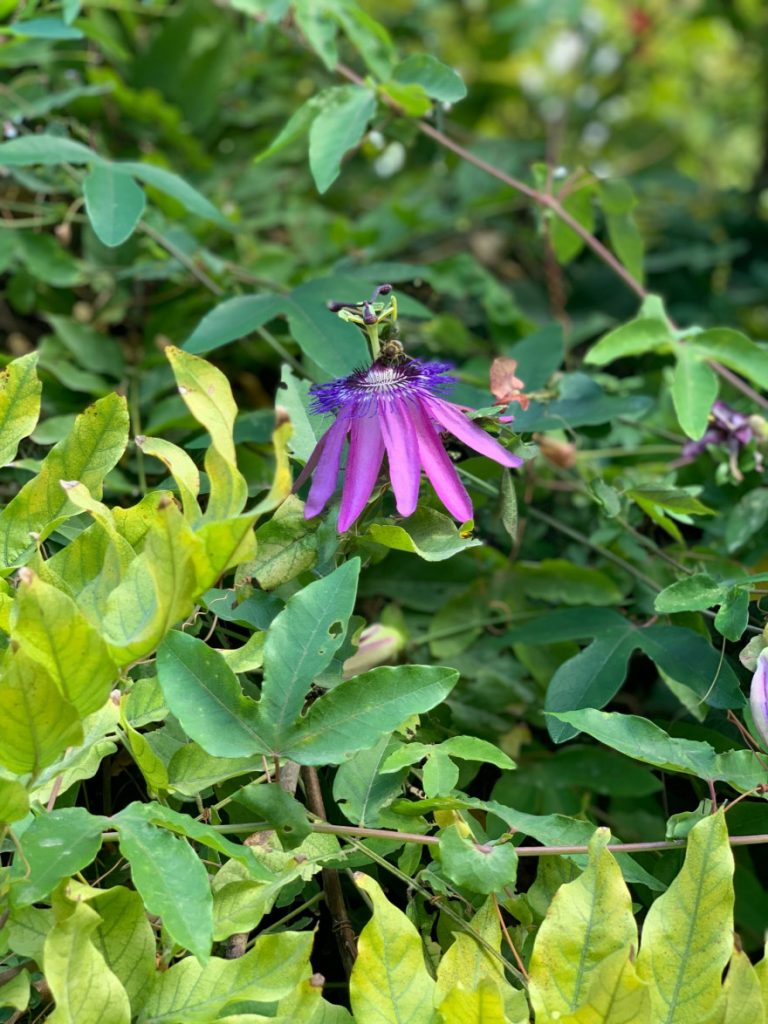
<point>758,698</point>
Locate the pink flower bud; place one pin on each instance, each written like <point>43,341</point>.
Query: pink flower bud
<point>758,698</point>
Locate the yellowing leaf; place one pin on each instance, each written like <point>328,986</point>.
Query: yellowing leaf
<point>687,936</point>
<point>126,940</point>
<point>588,920</point>
<point>19,404</point>
<point>481,1005</point>
<point>744,998</point>
<point>85,990</point>
<point>49,627</point>
<point>180,466</point>
<point>389,983</point>
<point>616,995</point>
<point>93,446</point>
<point>208,396</point>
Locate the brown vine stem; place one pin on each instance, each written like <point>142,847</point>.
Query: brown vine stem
<point>521,851</point>
<point>550,202</point>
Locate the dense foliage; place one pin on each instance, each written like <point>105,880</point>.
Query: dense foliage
<point>253,768</point>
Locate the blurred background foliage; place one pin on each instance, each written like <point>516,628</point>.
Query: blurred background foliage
<point>673,96</point>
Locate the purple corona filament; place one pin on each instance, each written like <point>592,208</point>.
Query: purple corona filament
<point>392,409</point>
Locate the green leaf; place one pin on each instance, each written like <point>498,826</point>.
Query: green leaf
<point>411,98</point>
<point>184,825</point>
<point>189,993</point>
<point>588,920</point>
<point>627,242</point>
<point>591,678</point>
<point>296,126</point>
<point>687,935</point>
<point>91,449</point>
<point>125,939</point>
<point>19,404</point>
<point>689,658</point>
<point>356,713</point>
<point>632,339</point>
<point>338,127</point>
<point>204,694</point>
<point>232,319</point>
<point>43,28</point>
<point>284,813</point>
<point>691,594</point>
<point>38,724</point>
<point>301,642</point>
<point>427,533</point>
<point>14,802</point>
<point>191,770</point>
<point>643,740</point>
<point>361,788</point>
<point>437,79</point>
<point>483,868</point>
<point>694,389</point>
<point>208,396</point>
<point>114,203</point>
<point>49,627</point>
<point>733,349</point>
<point>746,518</point>
<point>92,349</point>
<point>389,981</point>
<point>56,845</point>
<point>45,149</point>
<point>560,581</point>
<point>172,881</point>
<point>733,615</point>
<point>566,243</point>
<point>286,547</point>
<point>85,989</point>
<point>171,184</point>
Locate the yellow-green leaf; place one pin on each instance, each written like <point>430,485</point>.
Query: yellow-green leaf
<point>15,992</point>
<point>389,983</point>
<point>49,627</point>
<point>224,544</point>
<point>180,466</point>
<point>93,446</point>
<point>687,936</point>
<point>616,995</point>
<point>125,939</point>
<point>19,404</point>
<point>38,723</point>
<point>84,988</point>
<point>158,589</point>
<point>588,920</point>
<point>14,802</point>
<point>742,993</point>
<point>468,962</point>
<point>188,992</point>
<point>480,1005</point>
<point>208,396</point>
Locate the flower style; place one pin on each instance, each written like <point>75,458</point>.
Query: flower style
<point>393,407</point>
<point>758,698</point>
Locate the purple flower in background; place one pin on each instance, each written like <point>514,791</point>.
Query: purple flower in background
<point>392,407</point>
<point>729,430</point>
<point>758,698</point>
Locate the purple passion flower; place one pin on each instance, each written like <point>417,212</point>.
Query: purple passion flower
<point>729,430</point>
<point>758,698</point>
<point>392,408</point>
